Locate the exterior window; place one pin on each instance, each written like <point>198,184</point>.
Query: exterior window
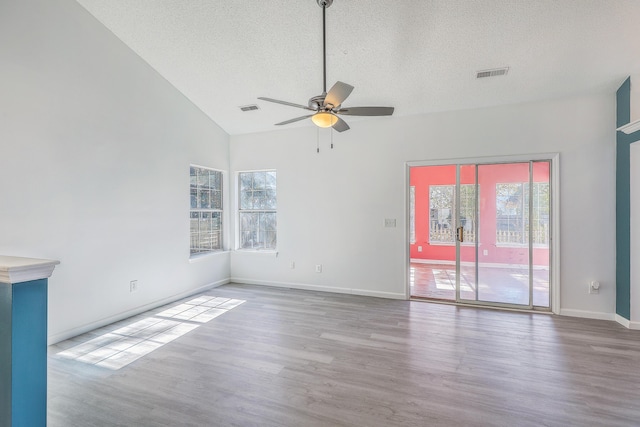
<point>206,210</point>
<point>412,214</point>
<point>441,209</point>
<point>257,210</point>
<point>512,213</point>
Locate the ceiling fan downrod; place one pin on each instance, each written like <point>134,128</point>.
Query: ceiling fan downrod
<point>324,4</point>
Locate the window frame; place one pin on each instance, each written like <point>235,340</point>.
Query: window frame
<point>258,212</point>
<point>219,212</point>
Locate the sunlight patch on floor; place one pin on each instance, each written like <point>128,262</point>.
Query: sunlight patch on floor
<point>119,348</point>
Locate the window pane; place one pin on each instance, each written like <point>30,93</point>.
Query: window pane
<point>246,240</point>
<point>246,179</point>
<point>216,221</point>
<point>270,201</point>
<point>259,180</point>
<point>202,178</point>
<point>441,199</point>
<point>268,222</point>
<point>468,211</point>
<point>193,176</point>
<point>541,213</point>
<point>270,240</point>
<point>214,180</point>
<point>248,221</point>
<point>510,213</point>
<point>257,194</point>
<point>205,201</point>
<point>216,201</point>
<point>194,198</point>
<point>246,200</point>
<point>259,200</point>
<point>270,180</point>
<point>205,194</point>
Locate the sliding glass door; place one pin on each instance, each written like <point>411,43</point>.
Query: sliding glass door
<point>481,233</point>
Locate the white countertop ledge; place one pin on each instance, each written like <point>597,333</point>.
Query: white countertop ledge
<point>19,269</point>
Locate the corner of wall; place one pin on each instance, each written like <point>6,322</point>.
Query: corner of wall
<point>623,202</point>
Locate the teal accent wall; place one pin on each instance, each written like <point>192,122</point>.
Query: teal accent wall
<point>23,354</point>
<point>623,201</point>
<point>29,354</point>
<point>5,354</point>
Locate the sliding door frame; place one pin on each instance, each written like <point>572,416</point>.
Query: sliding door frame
<point>554,232</point>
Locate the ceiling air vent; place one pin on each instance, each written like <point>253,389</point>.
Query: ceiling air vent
<point>249,107</point>
<point>492,73</point>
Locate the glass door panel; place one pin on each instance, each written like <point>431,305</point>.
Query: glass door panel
<point>432,246</point>
<point>466,232</point>
<point>541,232</point>
<point>503,268</point>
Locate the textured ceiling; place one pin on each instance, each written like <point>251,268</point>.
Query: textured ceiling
<point>417,55</point>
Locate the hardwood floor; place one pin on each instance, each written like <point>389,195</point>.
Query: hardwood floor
<point>288,357</point>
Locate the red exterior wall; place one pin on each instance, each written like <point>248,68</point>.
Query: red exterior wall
<point>488,176</point>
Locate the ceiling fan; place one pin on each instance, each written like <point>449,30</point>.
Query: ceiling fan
<point>328,106</point>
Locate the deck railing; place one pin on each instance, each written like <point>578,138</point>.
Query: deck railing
<point>540,235</point>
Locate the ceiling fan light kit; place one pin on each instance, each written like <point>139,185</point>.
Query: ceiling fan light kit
<point>327,106</point>
<point>324,120</point>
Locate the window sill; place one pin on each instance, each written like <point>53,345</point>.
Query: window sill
<point>258,251</point>
<point>203,256</point>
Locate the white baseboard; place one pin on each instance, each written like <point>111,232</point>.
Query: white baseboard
<point>627,323</point>
<point>587,314</point>
<point>320,288</point>
<point>70,333</point>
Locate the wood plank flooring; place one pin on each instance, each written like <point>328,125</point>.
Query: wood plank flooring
<point>298,358</point>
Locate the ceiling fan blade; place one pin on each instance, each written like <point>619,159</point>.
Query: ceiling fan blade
<point>340,125</point>
<point>290,104</point>
<point>337,94</point>
<point>366,111</point>
<point>297,119</point>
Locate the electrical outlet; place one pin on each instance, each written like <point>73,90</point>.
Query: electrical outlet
<point>419,248</point>
<point>318,268</point>
<point>133,286</point>
<point>594,287</point>
<point>292,265</point>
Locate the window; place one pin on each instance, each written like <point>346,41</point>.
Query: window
<point>441,209</point>
<point>257,210</point>
<point>206,210</point>
<point>412,214</point>
<point>512,213</point>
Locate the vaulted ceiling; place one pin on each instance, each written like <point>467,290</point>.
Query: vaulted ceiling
<point>420,56</point>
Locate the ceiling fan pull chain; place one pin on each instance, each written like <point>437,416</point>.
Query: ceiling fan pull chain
<point>332,138</point>
<point>317,140</point>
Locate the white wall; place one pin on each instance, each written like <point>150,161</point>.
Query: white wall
<point>331,205</point>
<point>95,150</point>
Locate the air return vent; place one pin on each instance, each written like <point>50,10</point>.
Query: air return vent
<point>492,73</point>
<point>249,107</point>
